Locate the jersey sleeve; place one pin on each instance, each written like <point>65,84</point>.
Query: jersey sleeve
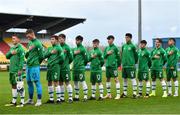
<point>135,54</point>
<point>21,53</point>
<point>70,54</point>
<point>118,57</point>
<point>8,54</point>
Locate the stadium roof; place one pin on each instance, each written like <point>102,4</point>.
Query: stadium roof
<point>52,24</point>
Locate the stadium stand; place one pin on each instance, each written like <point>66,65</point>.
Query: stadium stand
<point>51,24</point>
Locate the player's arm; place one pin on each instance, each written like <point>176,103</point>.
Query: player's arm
<point>164,57</point>
<point>86,55</point>
<point>9,54</point>
<point>40,49</point>
<point>118,57</point>
<point>70,54</point>
<point>21,53</point>
<point>61,55</point>
<point>148,55</point>
<point>101,58</point>
<point>135,54</point>
<point>105,53</point>
<point>47,53</point>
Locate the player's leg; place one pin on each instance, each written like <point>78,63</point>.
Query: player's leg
<point>125,83</point>
<point>146,78</point>
<point>70,91</point>
<point>176,84</point>
<point>140,84</point>
<point>67,79</point>
<point>163,83</point>
<point>12,79</point>
<point>115,75</point>
<point>132,75</point>
<point>30,85</point>
<point>76,85</point>
<point>50,86</point>
<point>169,83</point>
<point>84,85</point>
<point>50,91</point>
<point>101,91</point>
<point>93,86</point>
<point>36,73</point>
<point>99,81</point>
<point>62,91</point>
<point>153,88</point>
<point>108,83</point>
<point>22,96</point>
<point>58,91</point>
<point>56,79</point>
<point>117,88</point>
<point>148,86</point>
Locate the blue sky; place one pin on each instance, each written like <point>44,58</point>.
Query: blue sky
<point>161,18</point>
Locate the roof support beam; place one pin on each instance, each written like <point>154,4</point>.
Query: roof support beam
<point>16,23</point>
<point>48,25</point>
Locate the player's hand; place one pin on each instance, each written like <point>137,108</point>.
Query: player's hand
<point>156,56</point>
<point>93,55</point>
<point>172,68</point>
<point>110,52</point>
<point>19,73</point>
<point>53,52</point>
<point>65,51</point>
<point>77,52</point>
<point>13,52</point>
<point>31,47</point>
<point>171,52</point>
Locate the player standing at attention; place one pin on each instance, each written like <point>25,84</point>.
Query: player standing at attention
<point>65,75</point>
<point>34,57</point>
<point>79,63</point>
<point>55,56</point>
<point>158,59</point>
<point>112,59</point>
<point>129,59</point>
<point>171,69</point>
<point>16,56</point>
<point>97,61</point>
<point>144,63</point>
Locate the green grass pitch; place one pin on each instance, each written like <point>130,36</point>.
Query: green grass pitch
<point>153,105</point>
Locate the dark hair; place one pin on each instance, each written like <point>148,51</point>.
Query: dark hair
<point>110,37</point>
<point>54,36</point>
<point>96,41</point>
<point>143,42</point>
<point>29,31</point>
<point>159,39</point>
<point>62,36</point>
<point>128,35</point>
<point>79,37</point>
<point>172,39</point>
<point>16,35</point>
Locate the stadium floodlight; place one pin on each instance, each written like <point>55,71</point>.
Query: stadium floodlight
<point>139,21</point>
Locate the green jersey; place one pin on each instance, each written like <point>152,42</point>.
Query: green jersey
<point>68,55</point>
<point>97,61</point>
<point>80,59</point>
<point>113,59</point>
<point>129,55</point>
<point>157,63</point>
<point>16,60</point>
<point>144,60</point>
<point>54,58</point>
<point>172,59</point>
<point>35,54</point>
